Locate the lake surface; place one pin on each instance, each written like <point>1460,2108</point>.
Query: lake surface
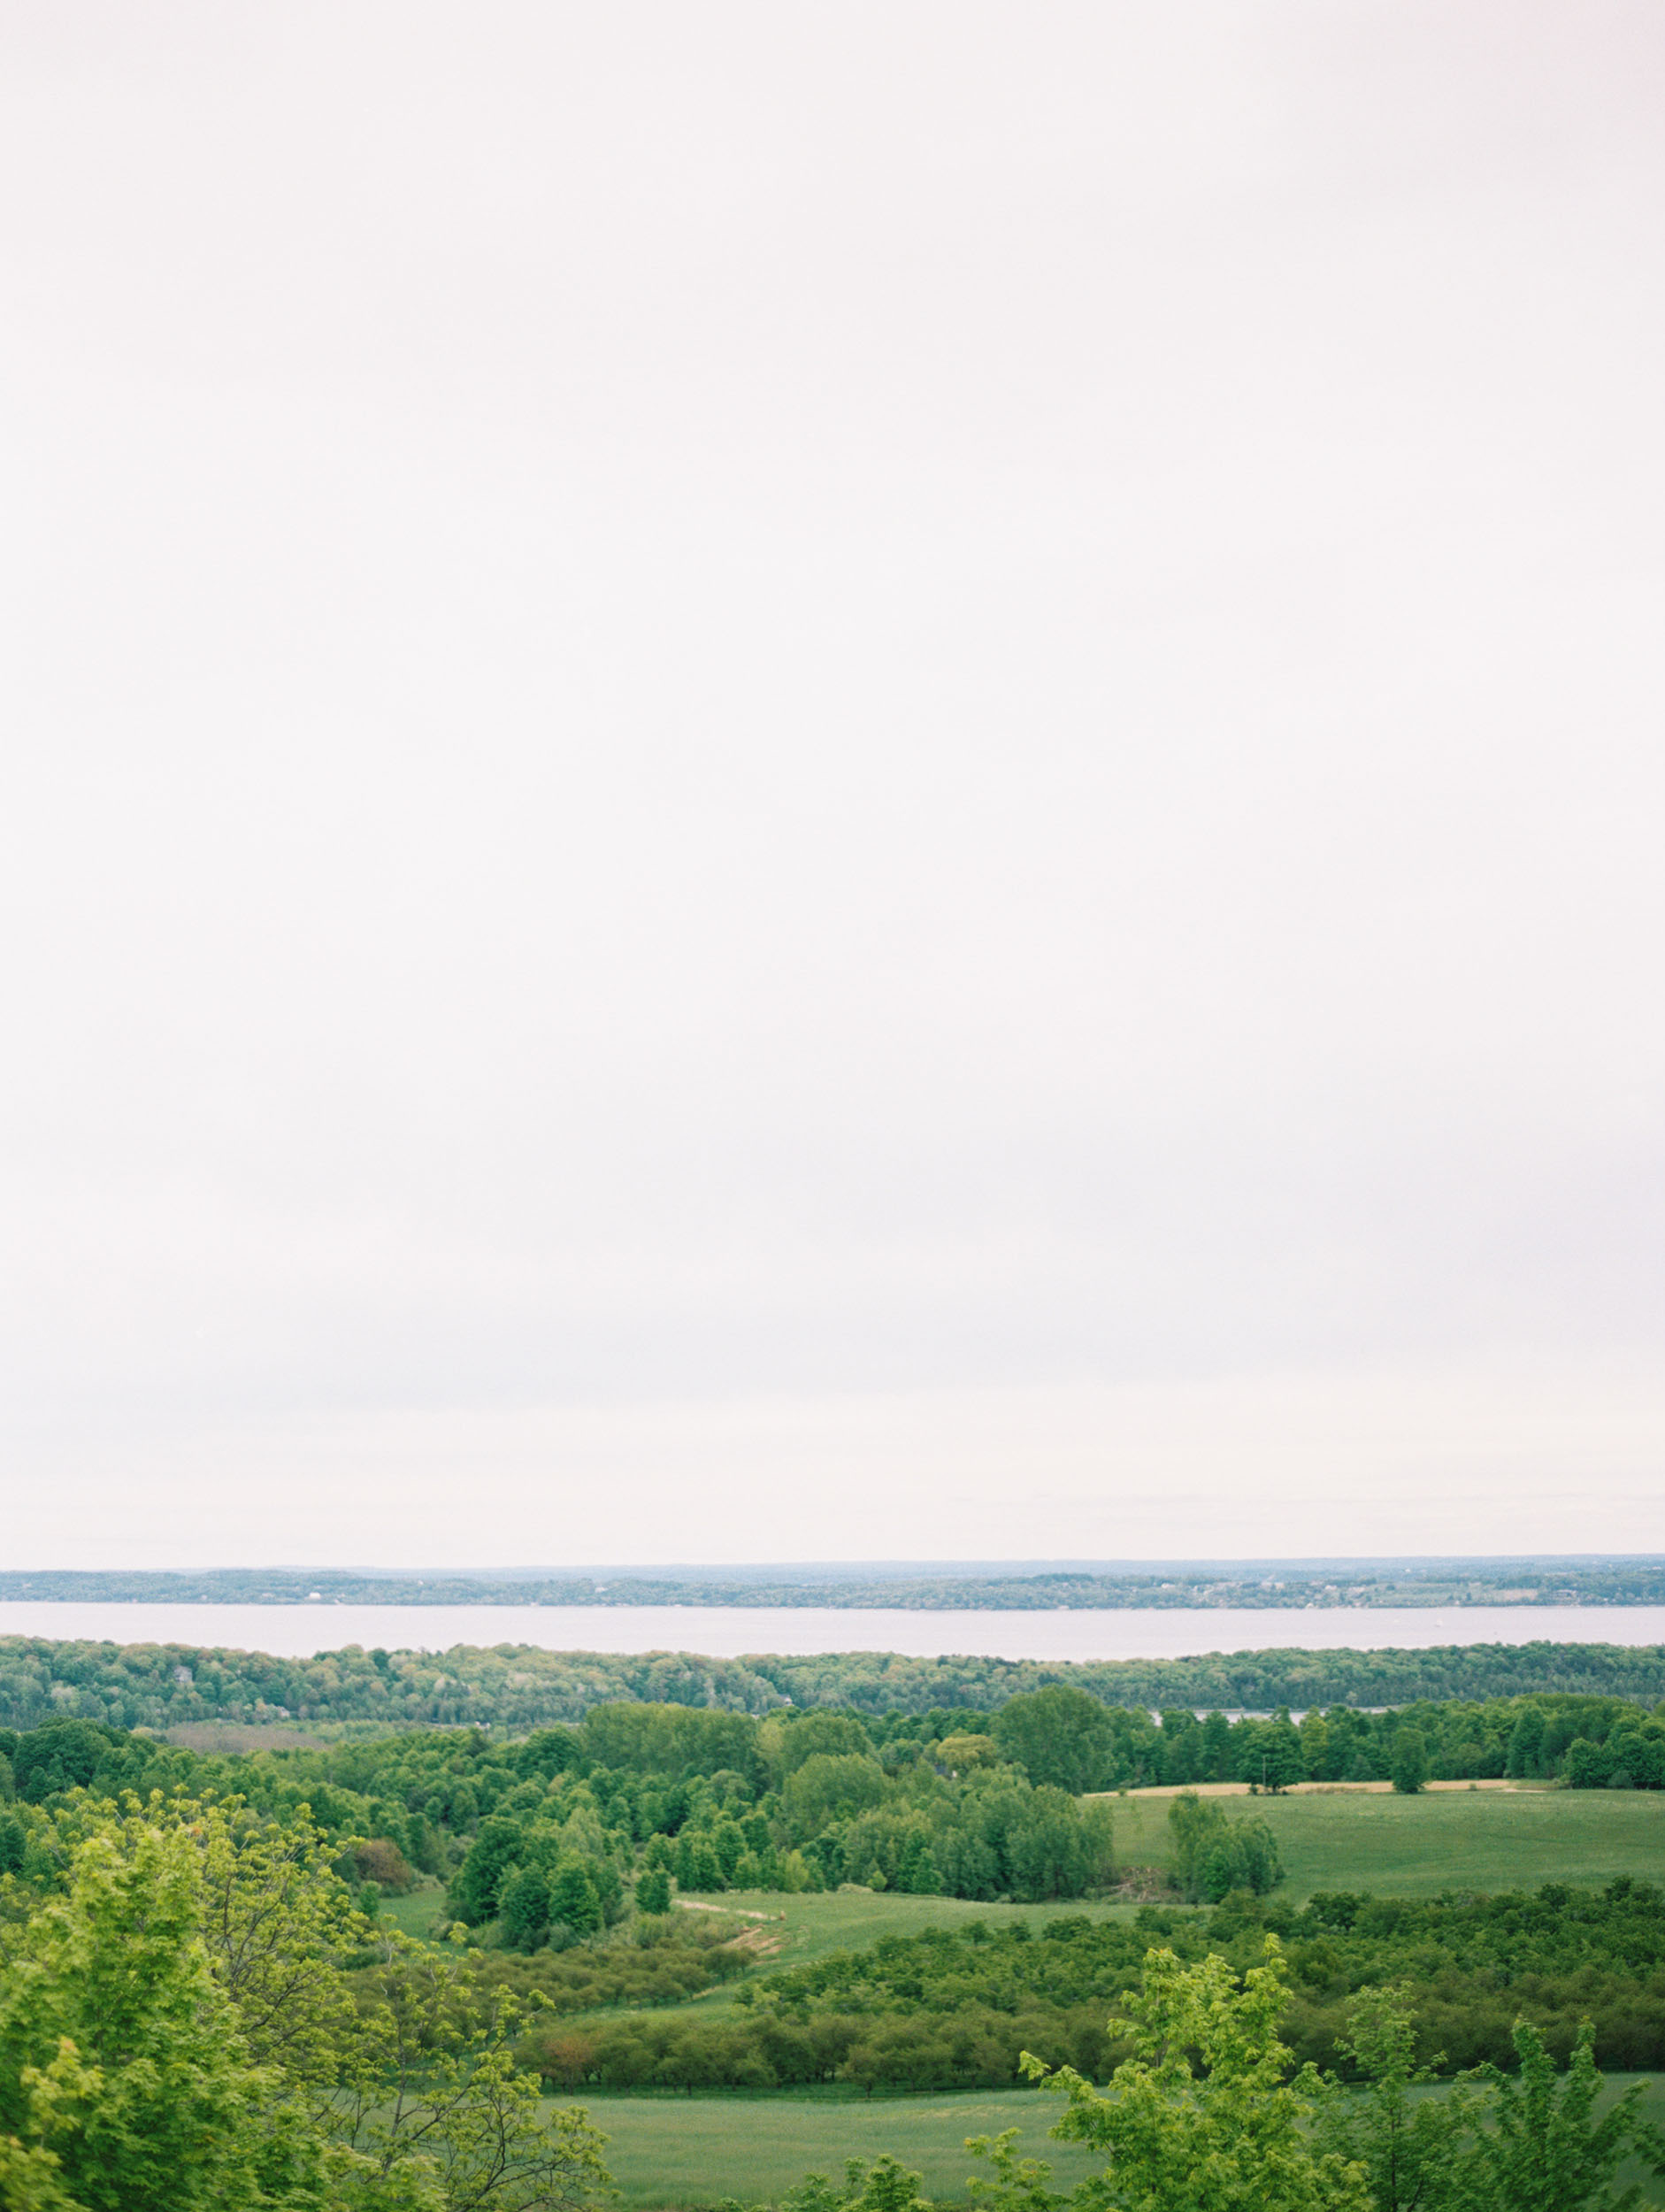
<point>729,1632</point>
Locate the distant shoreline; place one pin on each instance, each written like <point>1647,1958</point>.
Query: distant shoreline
<point>1363,1586</point>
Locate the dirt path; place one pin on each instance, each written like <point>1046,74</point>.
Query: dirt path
<point>1295,1789</point>
<point>735,1912</point>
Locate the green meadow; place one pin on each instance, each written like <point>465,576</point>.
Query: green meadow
<point>1485,1839</point>
<point>676,2151</point>
<point>669,2150</point>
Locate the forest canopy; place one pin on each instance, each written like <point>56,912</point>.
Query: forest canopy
<point>518,1686</point>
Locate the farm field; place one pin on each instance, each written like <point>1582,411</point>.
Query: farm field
<point>673,2151</point>
<point>669,2150</point>
<point>1415,1846</point>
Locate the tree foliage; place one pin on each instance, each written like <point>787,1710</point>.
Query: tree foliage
<point>1407,2146</point>
<point>177,2031</point>
<point>1215,1853</point>
<point>521,1687</point>
<point>1543,2147</point>
<point>1203,2118</point>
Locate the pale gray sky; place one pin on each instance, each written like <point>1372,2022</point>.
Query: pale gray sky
<point>831,780</point>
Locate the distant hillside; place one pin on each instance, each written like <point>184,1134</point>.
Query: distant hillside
<point>1032,1586</point>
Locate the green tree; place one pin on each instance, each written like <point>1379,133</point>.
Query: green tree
<point>1526,1744</point>
<point>1181,1746</point>
<point>696,1862</point>
<point>1408,1769</point>
<point>479,1879</point>
<point>175,2036</point>
<point>830,1785</point>
<point>1542,2149</point>
<point>1213,1855</point>
<point>30,2180</point>
<point>1245,1857</point>
<point>832,1734</point>
<point>653,1891</point>
<point>574,1900</point>
<point>1316,1748</point>
<point>918,1874</point>
<point>1216,1749</point>
<point>1406,2145</point>
<point>440,2116</point>
<point>1059,1735</point>
<point>1020,2185</point>
<point>278,1925</point>
<point>1282,1761</point>
<point>63,1755</point>
<point>122,2055</point>
<point>1201,2118</point>
<point>1586,1766</point>
<point>728,1841</point>
<point>1045,1848</point>
<point>1195,1826</point>
<point>525,1907</point>
<point>886,2186</point>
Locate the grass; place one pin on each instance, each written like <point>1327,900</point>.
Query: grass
<point>844,1920</point>
<point>808,1927</point>
<point>1479,1839</point>
<point>1412,1847</point>
<point>668,2151</point>
<point>414,1915</point>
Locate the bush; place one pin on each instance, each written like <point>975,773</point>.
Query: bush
<point>380,1861</point>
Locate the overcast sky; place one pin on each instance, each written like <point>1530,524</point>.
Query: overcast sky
<point>831,780</point>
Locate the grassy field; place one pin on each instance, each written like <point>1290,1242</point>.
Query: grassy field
<point>414,1915</point>
<point>670,2151</point>
<point>1482,1840</point>
<point>804,1928</point>
<point>667,2150</point>
<point>844,1920</point>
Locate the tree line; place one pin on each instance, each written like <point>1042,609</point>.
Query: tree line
<point>521,1687</point>
<point>546,1832</point>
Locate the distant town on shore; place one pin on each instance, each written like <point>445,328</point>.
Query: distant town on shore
<point>1595,1579</point>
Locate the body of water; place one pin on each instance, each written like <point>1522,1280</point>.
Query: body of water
<point>729,1632</point>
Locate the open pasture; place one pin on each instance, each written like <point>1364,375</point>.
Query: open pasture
<point>672,2151</point>
<point>808,1927</point>
<point>1415,1846</point>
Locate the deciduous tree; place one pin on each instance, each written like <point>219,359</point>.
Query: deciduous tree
<point>1543,2147</point>
<point>1202,2118</point>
